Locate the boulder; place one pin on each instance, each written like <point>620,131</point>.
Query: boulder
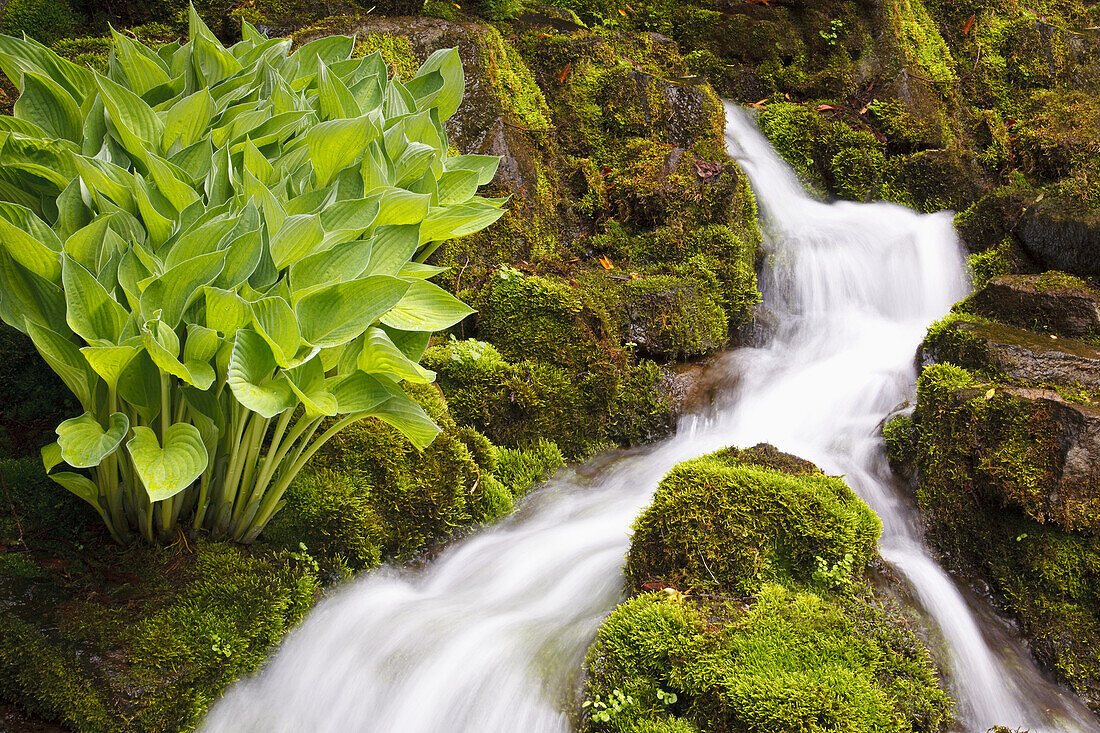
<point>1051,302</point>
<point>1061,238</point>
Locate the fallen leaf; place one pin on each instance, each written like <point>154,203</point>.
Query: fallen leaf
<point>564,72</point>
<point>968,24</point>
<point>605,262</point>
<point>990,393</point>
<point>825,107</point>
<point>622,12</point>
<point>635,276</point>
<point>760,104</point>
<point>865,108</point>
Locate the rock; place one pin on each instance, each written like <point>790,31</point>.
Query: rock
<point>1051,302</point>
<point>1013,353</point>
<point>1060,238</point>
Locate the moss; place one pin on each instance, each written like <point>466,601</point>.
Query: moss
<point>396,50</point>
<point>984,266</point>
<point>512,80</point>
<point>900,436</point>
<point>922,42</point>
<point>43,20</point>
<point>721,525</point>
<point>131,639</point>
<point>986,459</point>
<point>520,470</point>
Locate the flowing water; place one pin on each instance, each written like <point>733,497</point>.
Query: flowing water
<point>490,637</point>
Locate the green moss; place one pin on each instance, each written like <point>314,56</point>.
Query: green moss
<point>520,470</point>
<point>512,80</point>
<point>920,39</point>
<point>43,20</point>
<point>900,436</point>
<point>722,525</point>
<point>791,661</point>
<point>984,266</point>
<point>396,50</point>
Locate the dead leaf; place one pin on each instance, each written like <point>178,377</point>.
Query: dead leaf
<point>968,24</point>
<point>564,72</point>
<point>990,393</point>
<point>825,107</point>
<point>622,12</point>
<point>760,104</point>
<point>606,263</point>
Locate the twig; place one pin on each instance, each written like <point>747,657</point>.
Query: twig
<point>700,553</point>
<point>18,523</point>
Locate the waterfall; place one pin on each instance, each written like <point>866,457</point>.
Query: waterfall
<point>490,638</point>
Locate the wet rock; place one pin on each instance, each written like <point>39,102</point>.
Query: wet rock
<point>1014,353</point>
<point>1060,238</point>
<point>1051,302</point>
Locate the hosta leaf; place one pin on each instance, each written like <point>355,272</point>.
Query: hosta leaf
<point>358,392</point>
<point>144,70</point>
<point>46,104</point>
<point>85,443</point>
<point>380,356</point>
<point>355,215</point>
<point>328,50</point>
<point>241,259</point>
<point>139,386</point>
<point>109,362</point>
<point>393,247</point>
<point>84,244</point>
<point>412,163</point>
<point>105,180</point>
<point>163,347</point>
<point>18,55</point>
<point>187,120</point>
<point>457,186</point>
<point>420,270</point>
<point>92,313</point>
<point>399,207</point>
<point>158,222</point>
<point>171,183</point>
<point>82,486</point>
<point>403,413</point>
<point>308,383</point>
<point>29,298</point>
<point>425,88</point>
<point>29,241</point>
<point>274,320</point>
<point>341,263</point>
<point>335,100</point>
<point>484,165</point>
<point>177,288</point>
<point>298,236</point>
<point>446,222</point>
<point>426,307</point>
<point>166,470</point>
<point>226,311</point>
<point>335,314</point>
<point>202,343</point>
<point>413,344</point>
<point>336,144</point>
<point>139,128</point>
<point>250,376</point>
<point>448,63</point>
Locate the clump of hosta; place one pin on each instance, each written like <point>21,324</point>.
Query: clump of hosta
<point>221,252</point>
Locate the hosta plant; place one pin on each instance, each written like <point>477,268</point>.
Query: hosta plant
<point>221,251</point>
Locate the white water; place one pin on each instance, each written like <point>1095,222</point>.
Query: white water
<point>490,637</point>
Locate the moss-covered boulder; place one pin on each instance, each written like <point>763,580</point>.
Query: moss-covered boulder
<point>1005,439</point>
<point>776,631</point>
<point>731,520</point>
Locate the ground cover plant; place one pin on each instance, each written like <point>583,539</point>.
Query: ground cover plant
<point>221,253</point>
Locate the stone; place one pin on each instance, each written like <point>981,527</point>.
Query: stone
<point>1051,303</point>
<point>1060,238</point>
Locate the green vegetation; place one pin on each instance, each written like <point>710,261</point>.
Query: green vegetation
<point>774,630</point>
<point>276,249</point>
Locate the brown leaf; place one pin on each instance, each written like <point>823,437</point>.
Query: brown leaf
<point>825,107</point>
<point>564,72</point>
<point>968,24</point>
<point>760,104</point>
<point>606,263</point>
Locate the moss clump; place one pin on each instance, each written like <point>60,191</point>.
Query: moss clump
<point>106,638</point>
<point>396,50</point>
<point>984,266</point>
<point>806,650</point>
<point>43,20</point>
<point>794,660</point>
<point>723,524</point>
<point>900,436</point>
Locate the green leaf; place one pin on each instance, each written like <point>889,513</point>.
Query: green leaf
<point>358,392</point>
<point>85,443</point>
<point>457,186</point>
<point>109,362</point>
<point>139,128</point>
<point>420,270</point>
<point>46,104</point>
<point>83,487</point>
<point>29,241</point>
<point>298,236</point>
<point>335,314</point>
<point>447,222</point>
<point>250,376</point>
<point>139,386</point>
<point>345,261</point>
<point>381,356</point>
<point>413,344</point>
<point>448,63</point>
<point>484,165</point>
<point>274,320</point>
<point>164,349</point>
<point>408,417</point>
<point>92,313</point>
<point>426,307</point>
<point>308,383</point>
<point>176,289</point>
<point>393,247</point>
<point>187,120</point>
<point>166,470</point>
<point>335,100</point>
<point>336,144</point>
<point>144,70</point>
<point>226,311</point>
<point>201,345</point>
<point>399,207</point>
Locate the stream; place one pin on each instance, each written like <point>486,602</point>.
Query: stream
<point>490,637</point>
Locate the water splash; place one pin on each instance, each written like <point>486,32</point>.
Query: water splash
<point>491,637</point>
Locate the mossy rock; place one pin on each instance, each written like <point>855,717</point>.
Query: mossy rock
<point>43,20</point>
<point>732,520</point>
<point>790,660</point>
